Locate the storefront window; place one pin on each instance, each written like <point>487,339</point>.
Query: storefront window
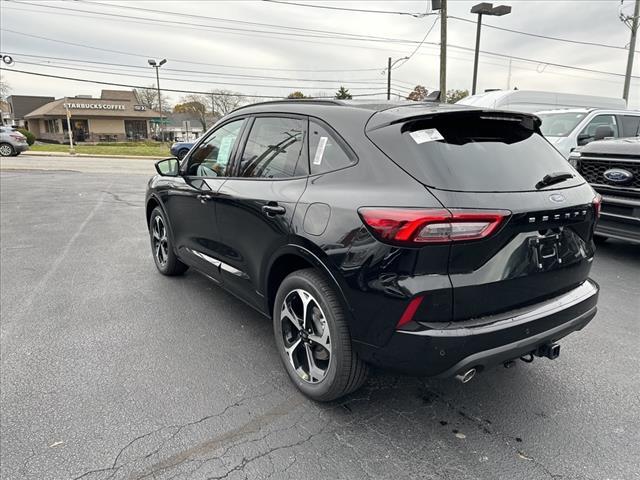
<point>52,126</point>
<point>135,129</point>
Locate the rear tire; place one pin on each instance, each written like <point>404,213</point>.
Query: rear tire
<point>182,153</point>
<point>161,248</point>
<point>313,338</point>
<point>6,150</point>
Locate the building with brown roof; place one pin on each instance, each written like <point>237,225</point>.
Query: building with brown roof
<point>116,116</point>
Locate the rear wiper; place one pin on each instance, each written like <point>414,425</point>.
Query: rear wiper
<point>553,178</point>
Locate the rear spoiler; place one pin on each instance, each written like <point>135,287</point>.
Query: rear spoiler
<point>528,120</point>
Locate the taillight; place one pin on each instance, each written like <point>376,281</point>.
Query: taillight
<point>19,138</point>
<point>597,204</point>
<point>413,226</point>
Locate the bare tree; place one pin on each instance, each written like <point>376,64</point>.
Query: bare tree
<point>195,105</point>
<point>5,88</point>
<point>221,102</point>
<point>149,98</point>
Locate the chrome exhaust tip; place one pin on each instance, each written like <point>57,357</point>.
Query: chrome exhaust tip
<point>466,376</point>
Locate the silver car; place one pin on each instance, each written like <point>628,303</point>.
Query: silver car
<point>12,142</point>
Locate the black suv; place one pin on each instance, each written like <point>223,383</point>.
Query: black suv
<point>612,167</point>
<point>436,239</point>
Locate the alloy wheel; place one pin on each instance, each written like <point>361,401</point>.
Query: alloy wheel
<point>6,150</point>
<point>306,337</point>
<point>160,241</point>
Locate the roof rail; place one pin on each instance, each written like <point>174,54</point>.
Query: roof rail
<point>317,101</point>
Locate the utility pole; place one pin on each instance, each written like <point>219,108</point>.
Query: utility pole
<point>389,79</point>
<point>157,67</point>
<point>632,23</point>
<point>443,51</point>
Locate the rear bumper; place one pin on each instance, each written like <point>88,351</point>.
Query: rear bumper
<point>437,350</point>
<point>20,147</point>
<point>620,218</point>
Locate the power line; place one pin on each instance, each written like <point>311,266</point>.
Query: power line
<point>420,44</point>
<point>536,35</point>
<point>326,7</point>
<point>201,82</point>
<point>173,90</point>
<point>129,67</point>
<point>191,25</point>
<point>205,17</point>
<point>543,62</point>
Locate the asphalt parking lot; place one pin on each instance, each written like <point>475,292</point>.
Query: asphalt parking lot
<point>111,371</point>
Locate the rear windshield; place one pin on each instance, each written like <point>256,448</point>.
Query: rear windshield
<point>473,151</point>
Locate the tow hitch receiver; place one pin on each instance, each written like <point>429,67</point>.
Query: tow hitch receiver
<point>549,350</point>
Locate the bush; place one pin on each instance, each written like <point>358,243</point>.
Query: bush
<point>31,138</point>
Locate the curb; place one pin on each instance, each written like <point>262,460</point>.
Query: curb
<point>89,155</point>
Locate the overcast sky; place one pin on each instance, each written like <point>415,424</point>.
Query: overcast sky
<point>238,46</point>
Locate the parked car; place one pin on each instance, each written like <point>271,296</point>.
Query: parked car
<point>436,239</point>
<point>12,142</point>
<point>570,128</point>
<point>612,167</point>
<point>180,149</point>
<point>535,101</point>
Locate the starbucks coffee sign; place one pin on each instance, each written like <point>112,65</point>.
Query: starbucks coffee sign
<point>95,106</point>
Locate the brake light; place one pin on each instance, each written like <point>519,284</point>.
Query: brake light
<point>19,138</point>
<point>597,204</point>
<point>419,226</point>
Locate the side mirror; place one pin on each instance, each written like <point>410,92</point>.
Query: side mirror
<point>169,167</point>
<point>603,131</point>
<point>584,138</point>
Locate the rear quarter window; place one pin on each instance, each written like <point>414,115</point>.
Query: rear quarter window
<point>473,151</point>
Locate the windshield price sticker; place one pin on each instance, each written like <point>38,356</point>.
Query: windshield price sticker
<point>317,160</point>
<point>428,135</point>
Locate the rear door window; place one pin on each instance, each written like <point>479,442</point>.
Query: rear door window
<point>276,148</point>
<point>473,151</point>
<point>630,125</point>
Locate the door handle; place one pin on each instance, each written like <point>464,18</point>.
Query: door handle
<point>273,210</point>
<point>205,197</point>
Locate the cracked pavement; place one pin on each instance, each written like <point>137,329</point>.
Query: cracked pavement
<point>109,370</point>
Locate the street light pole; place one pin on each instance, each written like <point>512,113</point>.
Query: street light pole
<point>157,67</point>
<point>390,65</point>
<point>477,53</point>
<point>484,9</point>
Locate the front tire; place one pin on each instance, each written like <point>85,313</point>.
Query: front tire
<point>163,255</point>
<point>6,150</point>
<point>182,153</point>
<point>313,339</point>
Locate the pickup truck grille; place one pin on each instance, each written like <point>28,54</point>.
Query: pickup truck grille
<point>592,170</point>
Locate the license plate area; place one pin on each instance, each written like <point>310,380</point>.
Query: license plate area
<point>545,251</point>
